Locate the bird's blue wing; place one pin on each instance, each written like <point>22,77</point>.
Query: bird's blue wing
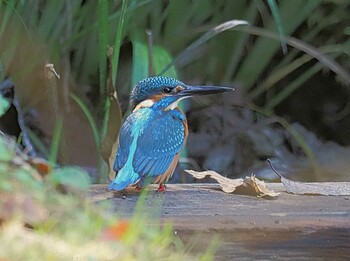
<point>163,138</point>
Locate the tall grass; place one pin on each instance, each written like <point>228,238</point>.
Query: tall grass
<point>183,33</point>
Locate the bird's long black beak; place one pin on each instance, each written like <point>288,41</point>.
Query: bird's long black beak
<point>192,90</point>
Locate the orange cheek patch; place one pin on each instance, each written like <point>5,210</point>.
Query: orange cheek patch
<point>157,97</point>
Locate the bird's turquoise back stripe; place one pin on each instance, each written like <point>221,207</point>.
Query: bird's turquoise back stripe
<point>127,175</point>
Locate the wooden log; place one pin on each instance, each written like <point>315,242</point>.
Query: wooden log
<point>290,227</point>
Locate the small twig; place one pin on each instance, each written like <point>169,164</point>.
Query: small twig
<point>50,71</point>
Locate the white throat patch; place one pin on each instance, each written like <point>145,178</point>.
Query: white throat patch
<point>175,104</point>
<point>144,104</point>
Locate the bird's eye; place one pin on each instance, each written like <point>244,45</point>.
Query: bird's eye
<point>167,90</point>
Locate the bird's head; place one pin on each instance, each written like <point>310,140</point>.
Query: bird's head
<point>165,93</point>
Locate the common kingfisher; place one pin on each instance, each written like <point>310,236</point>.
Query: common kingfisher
<point>153,135</point>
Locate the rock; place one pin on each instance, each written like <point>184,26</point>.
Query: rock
<point>219,158</point>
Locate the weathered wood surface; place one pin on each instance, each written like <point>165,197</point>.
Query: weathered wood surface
<point>290,227</point>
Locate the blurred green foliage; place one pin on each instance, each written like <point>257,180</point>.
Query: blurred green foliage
<point>4,105</point>
<point>66,226</point>
<point>75,29</point>
<point>103,44</point>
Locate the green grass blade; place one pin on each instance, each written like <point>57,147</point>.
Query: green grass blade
<point>276,16</point>
<point>94,25</point>
<point>6,11</point>
<point>325,60</point>
<point>2,71</point>
<point>290,88</point>
<point>52,12</point>
<point>311,35</point>
<point>38,143</point>
<point>103,42</point>
<point>113,74</point>
<point>261,53</point>
<point>11,6</point>
<point>233,64</point>
<point>204,38</point>
<point>117,42</point>
<point>56,139</point>
<point>282,72</point>
<point>89,117</point>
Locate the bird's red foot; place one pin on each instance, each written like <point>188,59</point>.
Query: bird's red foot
<point>162,187</point>
<point>138,188</point>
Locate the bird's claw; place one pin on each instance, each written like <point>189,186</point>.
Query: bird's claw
<point>162,187</point>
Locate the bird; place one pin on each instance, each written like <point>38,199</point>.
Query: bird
<point>153,135</point>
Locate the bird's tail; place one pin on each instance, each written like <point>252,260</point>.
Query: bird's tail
<point>122,181</point>
<point>118,185</point>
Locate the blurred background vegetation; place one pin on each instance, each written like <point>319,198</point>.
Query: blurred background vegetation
<point>291,65</point>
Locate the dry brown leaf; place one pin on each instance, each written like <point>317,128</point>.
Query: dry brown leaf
<point>259,187</point>
<point>110,141</point>
<point>227,185</point>
<point>248,186</point>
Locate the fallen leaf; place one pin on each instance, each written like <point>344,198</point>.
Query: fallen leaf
<point>259,187</point>
<point>41,165</point>
<point>248,186</point>
<point>227,185</point>
<point>314,188</point>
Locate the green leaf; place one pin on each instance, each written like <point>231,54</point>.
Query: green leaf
<point>5,153</point>
<point>4,105</point>
<point>73,177</point>
<point>140,62</point>
<point>27,180</point>
<point>161,58</point>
